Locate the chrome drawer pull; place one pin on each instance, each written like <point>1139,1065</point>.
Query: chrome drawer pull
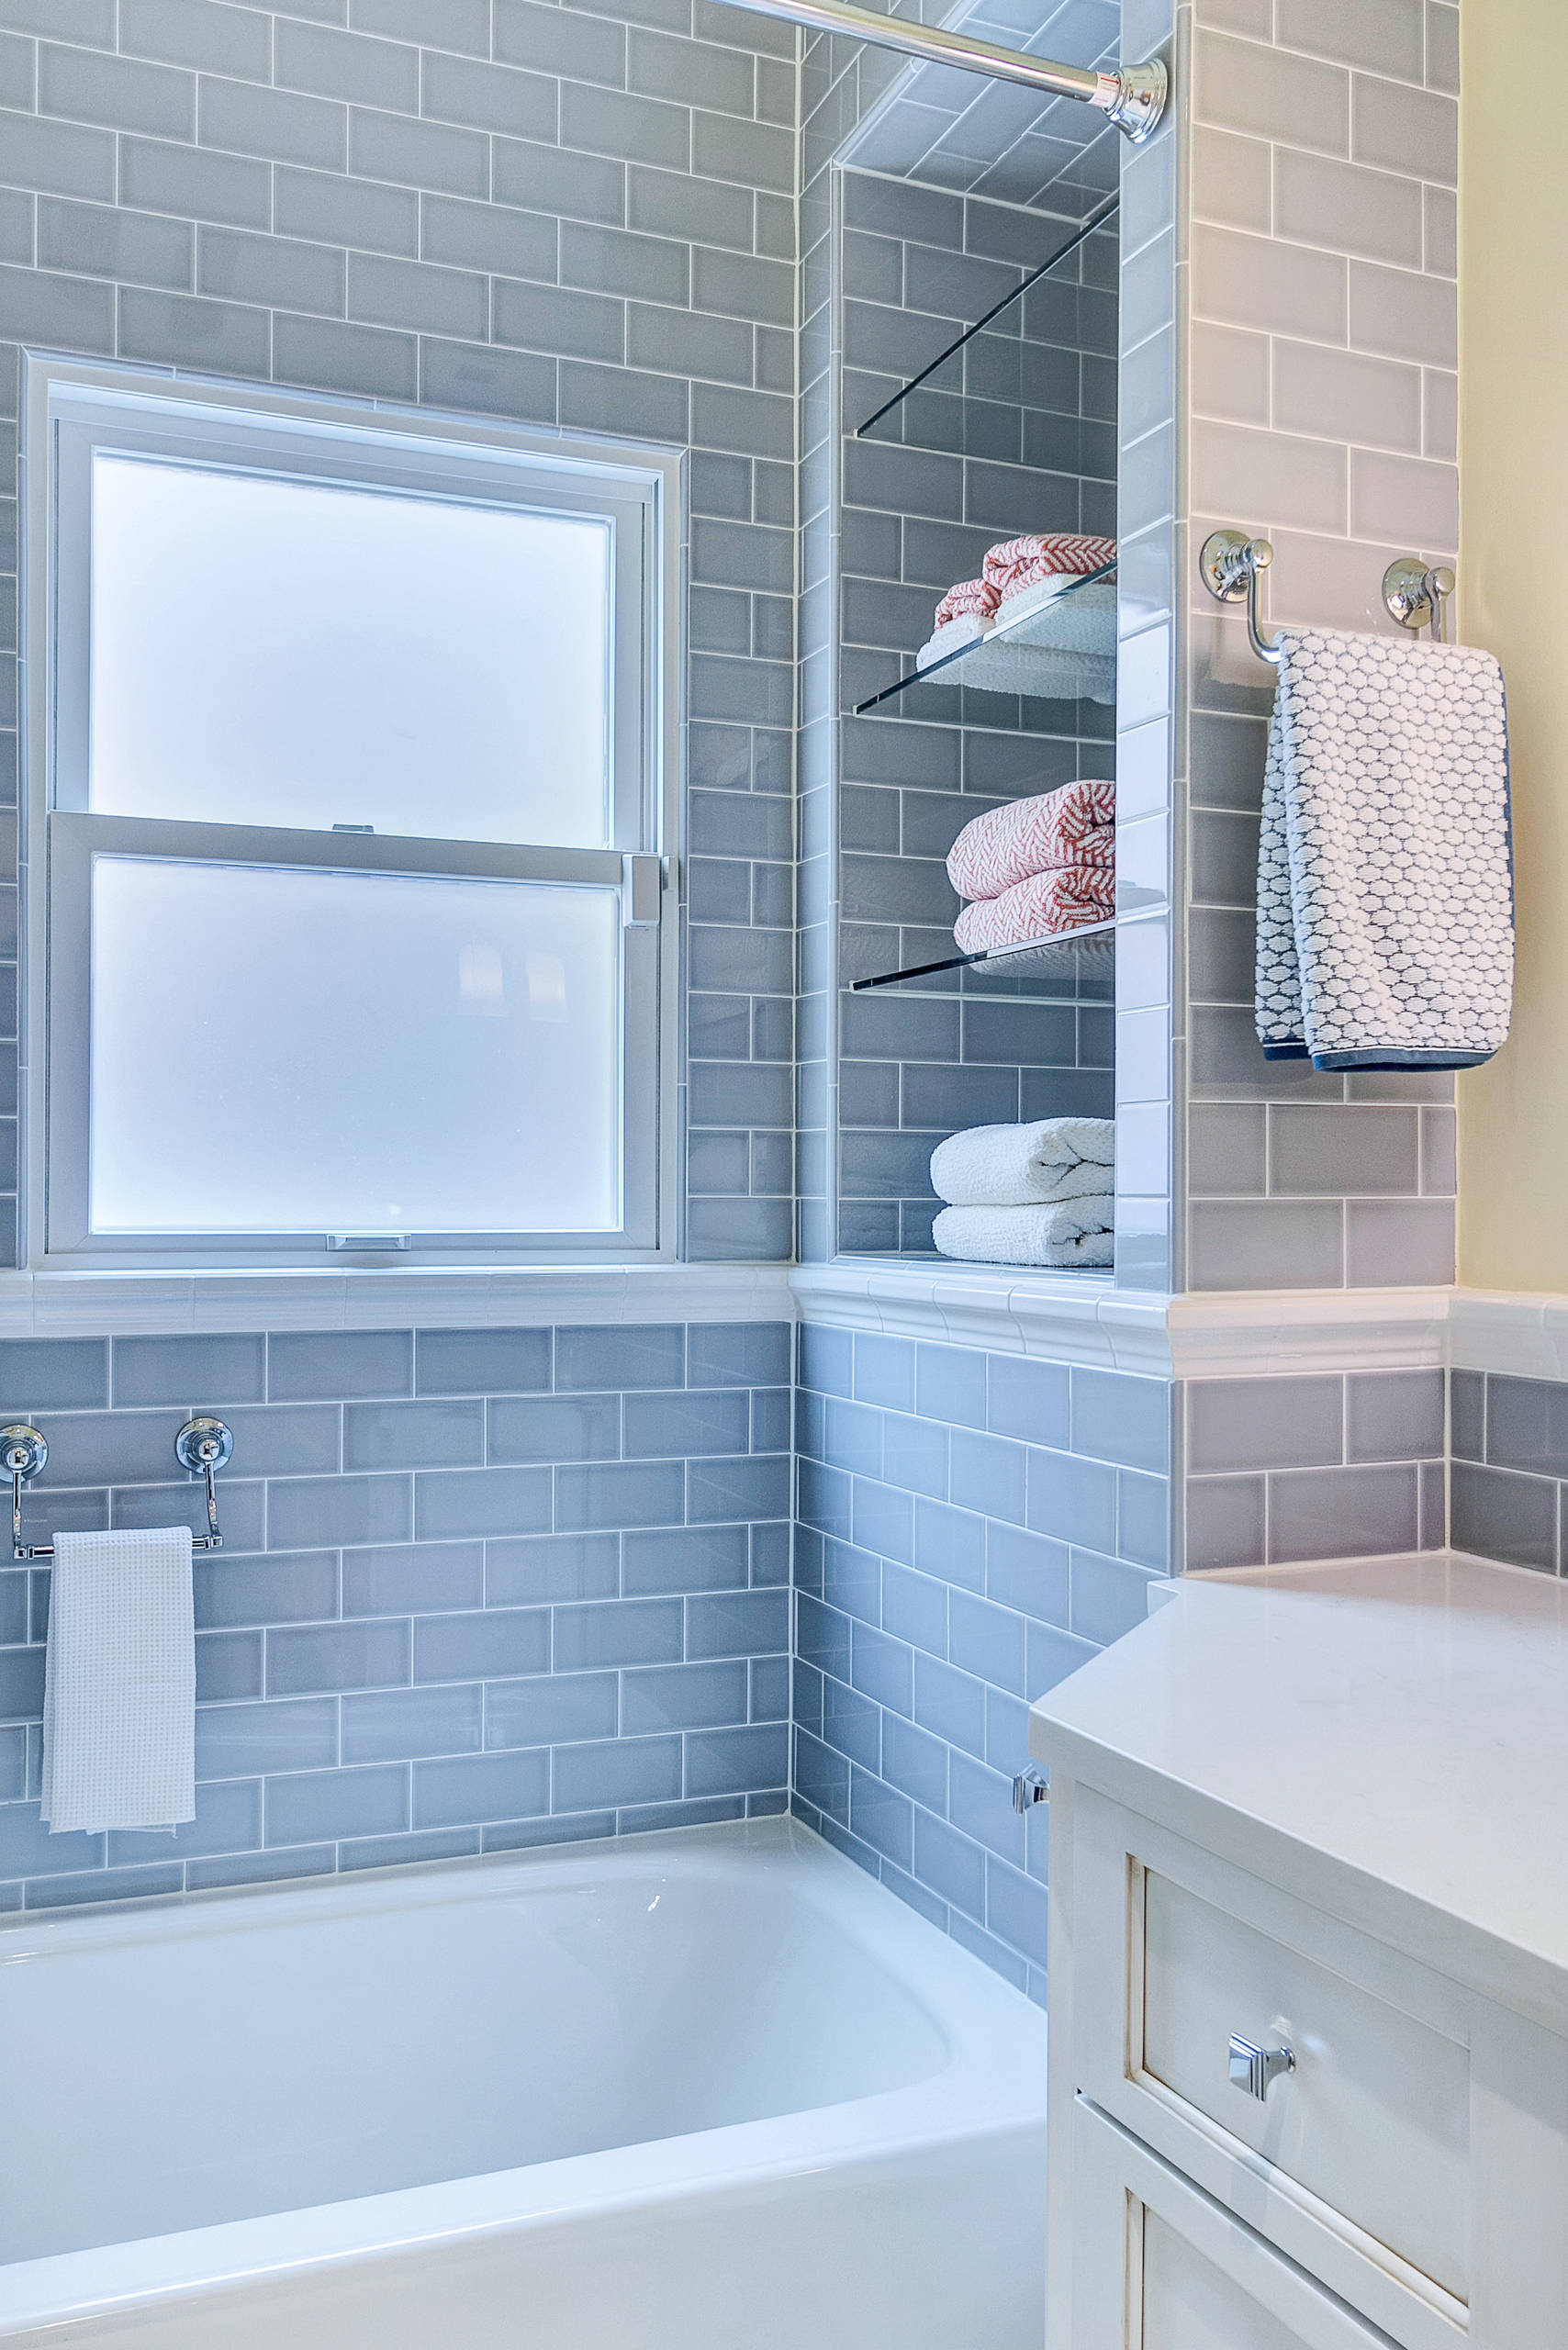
<point>1252,2068</point>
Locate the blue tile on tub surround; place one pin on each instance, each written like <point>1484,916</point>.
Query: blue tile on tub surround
<point>916,1672</point>
<point>430,1605</point>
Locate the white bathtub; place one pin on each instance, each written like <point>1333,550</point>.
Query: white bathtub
<point>707,2090</point>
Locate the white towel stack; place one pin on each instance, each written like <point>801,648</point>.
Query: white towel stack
<point>119,1682</point>
<point>1035,1194</point>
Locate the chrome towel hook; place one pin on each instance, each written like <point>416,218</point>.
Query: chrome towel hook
<point>202,1447</point>
<point>1414,593</point>
<point>1231,565</point>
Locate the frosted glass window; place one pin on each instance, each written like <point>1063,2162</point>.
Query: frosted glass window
<point>277,651</point>
<point>290,1049</point>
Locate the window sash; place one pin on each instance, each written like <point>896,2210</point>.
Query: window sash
<point>209,437</point>
<point>72,406</point>
<point>73,841</point>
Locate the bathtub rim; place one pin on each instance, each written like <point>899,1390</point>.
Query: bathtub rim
<point>992,2081</point>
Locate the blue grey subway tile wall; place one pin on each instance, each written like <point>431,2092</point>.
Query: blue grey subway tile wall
<point>1317,271</point>
<point>1508,1441</point>
<point>539,213</point>
<point>480,1588</point>
<point>971,1528</point>
<point>1025,439</point>
<point>1325,1466</point>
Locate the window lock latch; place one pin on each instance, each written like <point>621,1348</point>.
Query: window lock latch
<point>642,886</point>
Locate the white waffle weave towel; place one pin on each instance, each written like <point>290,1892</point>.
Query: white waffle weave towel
<point>119,1682</point>
<point>1051,1158</point>
<point>1073,1233</point>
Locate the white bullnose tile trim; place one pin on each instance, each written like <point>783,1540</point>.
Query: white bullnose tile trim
<point>1070,1318</point>
<point>1259,1334</point>
<point>70,1305</point>
<point>1522,1335</point>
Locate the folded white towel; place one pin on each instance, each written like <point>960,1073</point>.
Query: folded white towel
<point>1072,1232</point>
<point>951,637</point>
<point>119,1682</point>
<point>1050,1159</point>
<point>1385,927</point>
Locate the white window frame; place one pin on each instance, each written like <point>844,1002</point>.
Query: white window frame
<point>72,408</point>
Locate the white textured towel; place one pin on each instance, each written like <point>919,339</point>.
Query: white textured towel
<point>1385,920</point>
<point>119,1682</point>
<point>1072,1232</point>
<point>1051,1158</point>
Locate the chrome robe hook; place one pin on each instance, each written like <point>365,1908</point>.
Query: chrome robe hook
<point>1232,565</point>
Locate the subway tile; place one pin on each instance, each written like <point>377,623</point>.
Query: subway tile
<point>227,1664</point>
<point>118,92</point>
<point>160,177</point>
<point>526,1569</point>
<point>1277,1423</point>
<point>1527,1424</point>
<point>1071,1499</point>
<point>1395,1415</point>
<point>194,1372</point>
<point>458,1502</point>
<point>178,329</point>
<point>1342,1513</point>
<point>720,1624</point>
<point>398,1725</point>
<point>243,1740</point>
<point>742,1354</point>
<point>189,32</point>
<point>259,1868</point>
<point>616,1632</point>
<point>651,1355</point>
<point>554,1427</point>
<point>101,243</point>
<point>1502,1514</point>
<point>485,1362</point>
<point>307,1366</point>
<point>313,1513</point>
<point>987,1640</point>
<point>552,1708</point>
<point>605,1494</point>
<point>409,1578</point>
<point>314,1805</point>
<point>693,1421</point>
<point>53,1374</point>
<point>248,118</point>
<point>684,1697</point>
<point>617,1770</point>
<point>330,356</point>
<point>1118,1417</point>
<point>1226,1522</point>
<point>1027,1399</point>
<point>881,1817</point>
<point>393,1852</point>
<point>435,155</point>
<point>413,1435</point>
<point>482,1645</point>
<point>1295,1244</point>
<point>460,1790</point>
<point>708,1558</point>
<point>305,1659</point>
<point>231,1590</point>
<point>1396,1243</point>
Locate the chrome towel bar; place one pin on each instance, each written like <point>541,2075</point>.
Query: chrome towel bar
<point>202,1447</point>
<point>1231,566</point>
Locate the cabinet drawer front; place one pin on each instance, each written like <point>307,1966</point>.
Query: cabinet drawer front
<point>1157,2266</point>
<point>1374,2119</point>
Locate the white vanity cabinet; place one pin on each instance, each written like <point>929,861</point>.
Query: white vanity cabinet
<point>1309,1967</point>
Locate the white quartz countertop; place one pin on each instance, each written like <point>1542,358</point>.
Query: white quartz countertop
<point>1404,1722</point>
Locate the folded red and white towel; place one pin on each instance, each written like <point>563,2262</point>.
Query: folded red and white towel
<point>1075,825</point>
<point>1040,907</point>
<point>966,598</point>
<point>1017,564</point>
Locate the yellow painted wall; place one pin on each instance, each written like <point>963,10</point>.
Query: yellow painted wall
<point>1513,1114</point>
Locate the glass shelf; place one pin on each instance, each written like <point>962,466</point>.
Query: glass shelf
<point>1056,647</point>
<point>1071,956</point>
<point>982,364</point>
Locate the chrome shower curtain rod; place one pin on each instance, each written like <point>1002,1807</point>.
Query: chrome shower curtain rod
<point>1134,97</point>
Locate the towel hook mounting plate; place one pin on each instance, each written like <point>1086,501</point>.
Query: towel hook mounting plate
<point>202,1447</point>
<point>1232,565</point>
